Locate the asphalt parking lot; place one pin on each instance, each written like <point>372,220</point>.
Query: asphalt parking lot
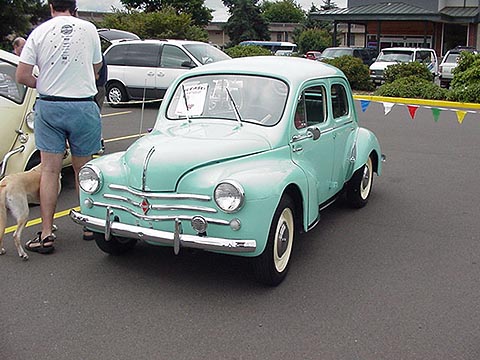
<point>395,280</point>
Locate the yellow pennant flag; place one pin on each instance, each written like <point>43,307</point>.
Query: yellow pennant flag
<point>460,116</point>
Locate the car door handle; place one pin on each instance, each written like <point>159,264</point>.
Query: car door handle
<point>160,74</point>
<point>297,149</point>
<point>150,73</point>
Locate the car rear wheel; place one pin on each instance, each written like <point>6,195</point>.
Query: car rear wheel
<point>272,265</point>
<point>116,245</point>
<point>360,185</point>
<point>116,94</point>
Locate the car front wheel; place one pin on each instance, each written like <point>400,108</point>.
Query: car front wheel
<point>116,94</point>
<point>272,265</point>
<point>115,246</point>
<point>360,185</point>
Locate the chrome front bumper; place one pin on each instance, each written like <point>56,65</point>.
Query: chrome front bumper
<point>176,239</point>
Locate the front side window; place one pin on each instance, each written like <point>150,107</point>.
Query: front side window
<point>252,99</point>
<point>173,57</point>
<point>9,88</point>
<point>339,101</point>
<point>311,107</point>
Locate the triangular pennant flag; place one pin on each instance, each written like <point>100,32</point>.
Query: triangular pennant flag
<point>460,115</point>
<point>388,107</point>
<point>436,114</point>
<point>364,104</point>
<point>412,109</point>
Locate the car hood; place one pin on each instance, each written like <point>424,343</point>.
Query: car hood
<point>159,160</point>
<point>382,65</point>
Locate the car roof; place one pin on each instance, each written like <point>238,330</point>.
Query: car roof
<point>112,35</point>
<point>10,57</point>
<point>276,66</point>
<point>166,41</point>
<point>406,48</point>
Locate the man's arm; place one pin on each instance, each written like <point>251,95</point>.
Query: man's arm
<point>96,69</point>
<point>24,75</point>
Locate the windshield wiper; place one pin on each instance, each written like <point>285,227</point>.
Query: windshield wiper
<point>186,103</point>
<point>237,113</point>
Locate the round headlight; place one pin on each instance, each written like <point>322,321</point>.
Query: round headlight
<point>30,119</point>
<point>89,179</point>
<point>229,196</point>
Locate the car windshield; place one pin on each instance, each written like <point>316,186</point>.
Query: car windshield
<point>395,56</point>
<point>452,58</point>
<point>334,53</point>
<point>206,53</point>
<point>9,88</point>
<point>244,98</point>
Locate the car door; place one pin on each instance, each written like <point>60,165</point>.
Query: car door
<point>313,153</point>
<point>12,105</point>
<point>141,66</point>
<point>173,62</point>
<point>342,111</point>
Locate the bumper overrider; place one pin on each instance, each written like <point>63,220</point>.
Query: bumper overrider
<point>177,239</point>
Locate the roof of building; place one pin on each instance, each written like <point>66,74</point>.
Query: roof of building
<point>398,11</point>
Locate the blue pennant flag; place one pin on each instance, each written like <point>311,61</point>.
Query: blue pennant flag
<point>364,104</point>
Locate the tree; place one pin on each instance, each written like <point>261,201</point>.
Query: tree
<point>285,11</point>
<point>313,39</point>
<point>245,22</point>
<point>17,18</point>
<point>201,15</point>
<point>164,24</point>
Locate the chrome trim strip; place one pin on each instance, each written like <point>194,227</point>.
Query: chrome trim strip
<point>157,218</point>
<point>161,207</point>
<point>159,196</point>
<point>164,237</point>
<point>145,165</point>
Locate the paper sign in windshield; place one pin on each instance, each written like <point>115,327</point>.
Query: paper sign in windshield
<point>195,100</point>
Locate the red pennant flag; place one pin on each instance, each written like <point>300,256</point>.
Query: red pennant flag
<point>412,109</point>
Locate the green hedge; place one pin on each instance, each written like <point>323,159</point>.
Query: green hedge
<point>414,68</point>
<point>355,70</point>
<point>247,50</point>
<point>412,87</point>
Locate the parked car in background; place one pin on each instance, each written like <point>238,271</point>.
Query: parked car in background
<point>397,55</point>
<point>450,62</point>
<point>17,148</point>
<point>313,55</point>
<point>244,155</point>
<point>144,69</point>
<point>364,54</point>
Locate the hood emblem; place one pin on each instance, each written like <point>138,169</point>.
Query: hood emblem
<point>145,206</point>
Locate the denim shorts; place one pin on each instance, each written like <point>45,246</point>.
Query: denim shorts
<point>76,121</point>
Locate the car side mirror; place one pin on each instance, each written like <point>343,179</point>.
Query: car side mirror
<point>188,64</point>
<point>314,131</point>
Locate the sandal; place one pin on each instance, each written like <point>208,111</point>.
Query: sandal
<point>87,235</point>
<point>45,245</point>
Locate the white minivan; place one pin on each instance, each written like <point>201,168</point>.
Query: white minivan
<point>396,55</point>
<point>144,69</point>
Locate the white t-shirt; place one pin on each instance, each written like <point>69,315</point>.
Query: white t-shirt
<point>64,48</point>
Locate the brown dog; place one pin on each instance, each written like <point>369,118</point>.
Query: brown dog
<point>16,192</point>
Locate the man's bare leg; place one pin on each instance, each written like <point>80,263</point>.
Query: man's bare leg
<point>51,167</point>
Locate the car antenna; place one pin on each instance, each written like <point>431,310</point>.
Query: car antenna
<point>237,113</point>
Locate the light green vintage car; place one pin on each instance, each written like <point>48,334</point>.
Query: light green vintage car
<point>245,154</point>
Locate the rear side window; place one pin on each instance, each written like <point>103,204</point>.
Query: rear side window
<point>339,101</point>
<point>143,55</point>
<point>173,57</point>
<point>9,88</point>
<point>116,55</point>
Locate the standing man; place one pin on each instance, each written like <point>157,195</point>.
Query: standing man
<point>18,44</point>
<point>68,55</point>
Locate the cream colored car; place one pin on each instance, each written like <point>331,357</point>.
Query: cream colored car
<point>17,146</point>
